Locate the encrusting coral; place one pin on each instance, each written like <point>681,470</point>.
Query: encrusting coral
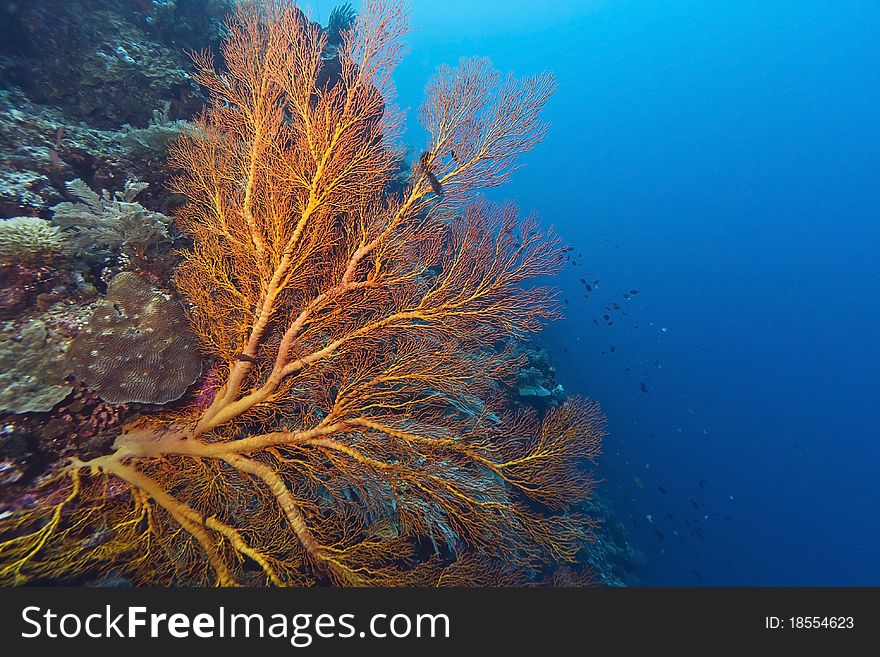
<point>351,329</point>
<point>134,334</point>
<point>31,374</point>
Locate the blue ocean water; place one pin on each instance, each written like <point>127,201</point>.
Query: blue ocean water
<point>724,160</point>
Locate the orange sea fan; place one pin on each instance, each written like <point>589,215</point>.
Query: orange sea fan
<point>358,435</point>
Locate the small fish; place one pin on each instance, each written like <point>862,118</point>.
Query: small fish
<point>633,292</point>
<point>606,317</point>
<point>596,282</point>
<point>661,489</point>
<point>425,162</point>
<point>567,302</point>
<point>612,349</point>
<point>615,306</point>
<point>669,515</point>
<point>583,281</point>
<point>659,534</point>
<point>566,249</point>
<point>702,484</point>
<point>644,387</point>
<point>697,574</point>
<point>694,504</point>
<point>639,482</point>
<point>595,321</point>
<point>650,518</point>
<point>588,287</point>
<point>626,295</point>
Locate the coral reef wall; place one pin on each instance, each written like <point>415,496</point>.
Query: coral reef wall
<point>106,62</point>
<point>86,84</point>
<point>92,92</point>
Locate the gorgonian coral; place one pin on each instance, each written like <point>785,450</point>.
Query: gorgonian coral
<point>357,434</point>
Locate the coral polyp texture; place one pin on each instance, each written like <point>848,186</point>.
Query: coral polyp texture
<point>29,240</point>
<point>31,370</point>
<point>136,346</point>
<point>355,427</point>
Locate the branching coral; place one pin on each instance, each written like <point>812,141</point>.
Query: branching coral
<point>356,434</point>
<point>29,240</point>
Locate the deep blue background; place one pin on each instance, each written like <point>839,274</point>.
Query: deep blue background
<point>724,159</point>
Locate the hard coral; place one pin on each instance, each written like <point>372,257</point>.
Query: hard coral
<point>29,240</point>
<point>137,346</point>
<point>31,379</point>
<point>94,59</point>
<point>21,286</point>
<point>536,382</point>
